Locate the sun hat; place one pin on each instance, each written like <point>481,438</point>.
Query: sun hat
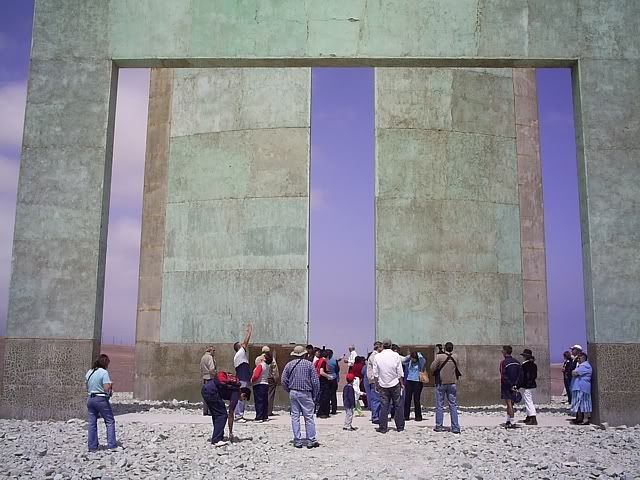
<point>526,352</point>
<point>265,349</point>
<point>577,347</point>
<point>299,351</point>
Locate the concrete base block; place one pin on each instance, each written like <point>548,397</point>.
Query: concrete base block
<point>43,378</point>
<point>165,371</point>
<point>616,383</point>
<point>480,381</point>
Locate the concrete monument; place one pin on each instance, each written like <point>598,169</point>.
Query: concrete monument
<point>55,304</point>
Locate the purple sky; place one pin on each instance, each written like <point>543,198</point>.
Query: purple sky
<point>342,293</point>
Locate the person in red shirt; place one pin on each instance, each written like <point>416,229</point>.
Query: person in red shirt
<point>358,365</point>
<point>325,387</point>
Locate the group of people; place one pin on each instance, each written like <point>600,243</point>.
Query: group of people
<point>388,383</point>
<point>577,373</point>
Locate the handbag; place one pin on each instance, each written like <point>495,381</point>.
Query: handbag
<point>516,396</point>
<point>424,377</point>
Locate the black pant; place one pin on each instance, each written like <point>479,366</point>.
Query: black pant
<point>218,412</point>
<point>261,398</point>
<point>333,398</point>
<point>325,396</point>
<point>388,397</point>
<point>412,392</point>
<point>567,387</point>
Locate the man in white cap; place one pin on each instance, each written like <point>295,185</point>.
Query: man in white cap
<point>301,382</point>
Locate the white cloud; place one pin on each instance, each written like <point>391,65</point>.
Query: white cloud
<point>121,282</point>
<point>318,199</point>
<point>130,138</point>
<point>13,98</point>
<point>8,186</point>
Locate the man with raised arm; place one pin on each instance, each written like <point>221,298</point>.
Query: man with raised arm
<point>243,369</point>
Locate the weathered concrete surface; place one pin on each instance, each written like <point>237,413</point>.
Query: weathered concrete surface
<point>55,306</point>
<point>43,378</point>
<point>449,250</point>
<point>237,206</point>
<point>224,238</point>
<point>172,370</point>
<point>608,142</point>
<point>447,242</point>
<point>154,201</point>
<point>202,32</point>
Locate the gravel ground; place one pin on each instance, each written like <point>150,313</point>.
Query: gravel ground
<point>154,448</point>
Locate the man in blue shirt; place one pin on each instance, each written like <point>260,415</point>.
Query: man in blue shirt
<point>301,382</point>
<point>333,369</point>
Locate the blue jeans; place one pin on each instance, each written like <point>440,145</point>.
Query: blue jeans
<point>373,400</point>
<point>239,411</point>
<point>451,392</point>
<point>218,412</point>
<point>302,404</point>
<point>100,405</point>
<point>391,396</point>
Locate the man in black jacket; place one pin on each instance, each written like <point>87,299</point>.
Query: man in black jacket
<point>529,375</point>
<point>510,377</point>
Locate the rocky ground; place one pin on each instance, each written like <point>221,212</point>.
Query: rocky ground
<point>169,440</point>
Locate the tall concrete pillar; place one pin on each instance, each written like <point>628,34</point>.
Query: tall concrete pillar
<point>608,139</point>
<point>224,233</point>
<point>55,296</point>
<point>459,234</point>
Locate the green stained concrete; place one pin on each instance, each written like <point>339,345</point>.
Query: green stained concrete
<point>58,257</point>
<point>448,257</point>
<point>237,206</point>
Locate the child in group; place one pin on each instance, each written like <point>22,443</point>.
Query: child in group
<point>358,393</point>
<point>349,402</point>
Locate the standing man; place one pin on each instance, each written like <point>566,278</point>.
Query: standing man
<point>529,376</point>
<point>207,371</point>
<point>445,371</point>
<point>389,378</point>
<point>324,400</point>
<point>510,378</point>
<point>352,357</point>
<point>373,399</point>
<point>274,378</point>
<point>243,370</point>
<point>300,381</point>
<point>333,369</point>
<point>310,353</point>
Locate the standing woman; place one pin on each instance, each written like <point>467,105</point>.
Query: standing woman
<point>99,389</point>
<point>413,363</point>
<point>260,380</point>
<point>566,373</point>
<point>581,390</point>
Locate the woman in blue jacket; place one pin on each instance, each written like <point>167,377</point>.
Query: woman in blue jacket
<point>413,364</point>
<point>581,390</point>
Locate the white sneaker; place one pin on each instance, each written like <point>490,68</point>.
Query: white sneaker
<point>221,443</point>
<point>241,420</point>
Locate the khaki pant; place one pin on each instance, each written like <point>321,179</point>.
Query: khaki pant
<point>272,395</point>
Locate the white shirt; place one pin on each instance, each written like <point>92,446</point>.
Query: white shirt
<point>315,360</point>
<point>356,388</point>
<point>352,358</point>
<point>370,363</point>
<point>387,368</point>
<point>240,357</point>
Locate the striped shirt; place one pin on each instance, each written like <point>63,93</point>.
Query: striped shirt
<point>300,375</point>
